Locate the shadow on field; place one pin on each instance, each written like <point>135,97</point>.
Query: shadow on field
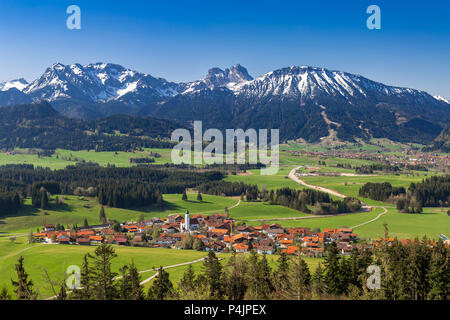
<point>27,210</point>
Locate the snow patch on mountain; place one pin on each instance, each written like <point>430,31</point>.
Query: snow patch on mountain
<point>19,84</point>
<point>441,99</point>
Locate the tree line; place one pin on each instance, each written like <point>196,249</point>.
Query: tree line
<point>300,199</point>
<point>431,192</point>
<point>121,187</point>
<point>417,270</point>
<point>10,203</point>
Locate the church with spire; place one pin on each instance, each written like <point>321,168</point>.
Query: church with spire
<point>189,224</point>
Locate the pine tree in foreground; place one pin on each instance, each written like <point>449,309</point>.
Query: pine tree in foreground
<point>103,286</point>
<point>162,287</point>
<point>4,294</point>
<point>24,287</point>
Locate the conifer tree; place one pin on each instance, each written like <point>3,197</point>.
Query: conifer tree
<point>282,274</point>
<point>299,280</point>
<point>85,290</point>
<point>124,284</point>
<point>136,290</point>
<point>162,287</point>
<point>212,270</point>
<point>102,215</point>
<point>332,270</point>
<point>187,283</point>
<point>319,285</point>
<point>24,286</point>
<point>103,285</point>
<point>4,294</point>
<point>439,275</point>
<point>235,278</point>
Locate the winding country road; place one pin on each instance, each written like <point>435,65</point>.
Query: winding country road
<point>293,177</point>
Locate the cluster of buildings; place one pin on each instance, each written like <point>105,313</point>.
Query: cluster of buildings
<point>215,232</point>
<point>403,158</point>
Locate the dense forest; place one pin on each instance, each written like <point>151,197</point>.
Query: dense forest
<point>10,203</point>
<point>431,192</point>
<point>379,191</point>
<point>371,168</point>
<point>118,187</point>
<point>417,270</point>
<point>299,199</point>
<point>229,189</point>
<point>36,126</point>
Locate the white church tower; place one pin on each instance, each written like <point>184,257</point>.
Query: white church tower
<point>187,221</point>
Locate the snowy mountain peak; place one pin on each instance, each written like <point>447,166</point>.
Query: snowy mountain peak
<point>19,84</point>
<point>306,82</point>
<point>217,77</point>
<point>99,82</point>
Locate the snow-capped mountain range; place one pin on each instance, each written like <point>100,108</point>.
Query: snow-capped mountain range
<point>105,82</point>
<point>305,99</point>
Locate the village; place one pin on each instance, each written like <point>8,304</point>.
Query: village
<point>215,232</point>
<point>402,158</point>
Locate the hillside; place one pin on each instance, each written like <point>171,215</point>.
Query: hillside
<point>38,125</point>
<point>442,142</point>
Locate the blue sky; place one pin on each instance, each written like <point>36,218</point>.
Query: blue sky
<point>181,40</point>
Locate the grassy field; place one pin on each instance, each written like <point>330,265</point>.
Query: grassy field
<point>176,274</point>
<point>56,258</point>
<point>260,210</point>
<point>75,210</point>
<point>430,223</point>
<point>62,158</point>
<point>350,185</point>
<point>270,182</point>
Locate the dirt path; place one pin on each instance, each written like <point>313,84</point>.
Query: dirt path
<point>374,219</point>
<point>167,267</point>
<point>292,176</point>
<point>18,252</point>
<point>149,270</point>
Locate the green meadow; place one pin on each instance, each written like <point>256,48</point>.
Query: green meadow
<point>63,158</point>
<point>176,273</point>
<point>430,223</point>
<point>75,210</point>
<point>54,259</point>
